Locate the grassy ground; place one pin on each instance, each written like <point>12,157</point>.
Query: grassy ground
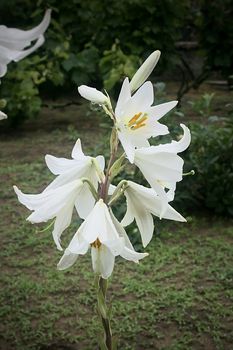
<point>178,298</point>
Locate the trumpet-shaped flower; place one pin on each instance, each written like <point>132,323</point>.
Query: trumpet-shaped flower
<point>142,202</point>
<point>80,166</point>
<point>93,95</point>
<point>162,167</point>
<point>55,203</point>
<point>144,71</point>
<point>2,115</point>
<point>105,236</point>
<point>13,42</point>
<point>137,119</point>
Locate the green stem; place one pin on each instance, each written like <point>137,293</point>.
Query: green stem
<point>103,312</point>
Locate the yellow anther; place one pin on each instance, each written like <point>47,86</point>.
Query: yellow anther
<point>134,119</point>
<point>96,243</point>
<point>137,121</point>
<point>137,126</point>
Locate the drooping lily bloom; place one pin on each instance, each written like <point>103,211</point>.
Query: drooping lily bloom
<point>105,236</point>
<point>80,166</point>
<point>144,70</point>
<point>13,42</point>
<point>161,165</point>
<point>142,202</point>
<point>137,119</point>
<point>55,203</point>
<point>2,115</point>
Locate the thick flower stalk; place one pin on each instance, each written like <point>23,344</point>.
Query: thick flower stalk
<point>84,183</point>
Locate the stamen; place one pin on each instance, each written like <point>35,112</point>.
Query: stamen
<point>137,121</point>
<point>137,126</point>
<point>96,243</point>
<point>134,119</point>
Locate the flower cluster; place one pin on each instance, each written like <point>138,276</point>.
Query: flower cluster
<point>13,41</point>
<point>83,184</point>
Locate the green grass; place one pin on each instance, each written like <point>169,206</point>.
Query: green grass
<point>178,298</point>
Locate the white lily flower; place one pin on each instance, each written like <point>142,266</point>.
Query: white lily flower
<point>162,167</point>
<point>105,236</point>
<point>144,71</point>
<point>80,166</point>
<point>92,94</point>
<point>55,203</point>
<point>142,202</point>
<point>137,119</point>
<point>2,115</point>
<point>13,42</point>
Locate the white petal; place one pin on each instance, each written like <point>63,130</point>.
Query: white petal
<point>131,255</point>
<point>111,189</point>
<point>160,110</point>
<point>115,246</point>
<point>27,52</point>
<point>78,244</point>
<point>2,115</point>
<point>62,221</point>
<point>145,224</point>
<point>92,94</point>
<point>124,96</point>
<point>8,34</point>
<point>141,100</point>
<point>59,166</point>
<point>51,202</point>
<point>177,146</point>
<point>67,260</point>
<point>120,229</point>
<point>98,224</point>
<point>85,202</point>
<point>102,261</point>
<point>144,71</point>
<point>77,152</point>
<point>101,161</point>
<point>3,69</point>
<point>129,215</point>
<point>127,145</point>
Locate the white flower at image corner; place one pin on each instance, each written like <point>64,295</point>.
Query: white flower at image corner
<point>162,167</point>
<point>105,236</point>
<point>142,202</point>
<point>55,203</point>
<point>13,41</point>
<point>137,119</point>
<point>93,95</point>
<point>2,115</point>
<point>80,166</point>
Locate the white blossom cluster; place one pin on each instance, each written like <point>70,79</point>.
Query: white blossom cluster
<point>82,182</point>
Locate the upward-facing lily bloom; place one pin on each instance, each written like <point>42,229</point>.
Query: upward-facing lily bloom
<point>142,202</point>
<point>13,42</point>
<point>162,167</point>
<point>137,119</point>
<point>105,236</point>
<point>55,203</point>
<point>80,166</point>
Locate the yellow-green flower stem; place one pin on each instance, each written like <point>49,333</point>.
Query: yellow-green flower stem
<point>91,187</point>
<point>121,187</point>
<point>106,342</point>
<point>191,172</point>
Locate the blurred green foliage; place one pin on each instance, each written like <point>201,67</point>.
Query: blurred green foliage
<point>91,42</point>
